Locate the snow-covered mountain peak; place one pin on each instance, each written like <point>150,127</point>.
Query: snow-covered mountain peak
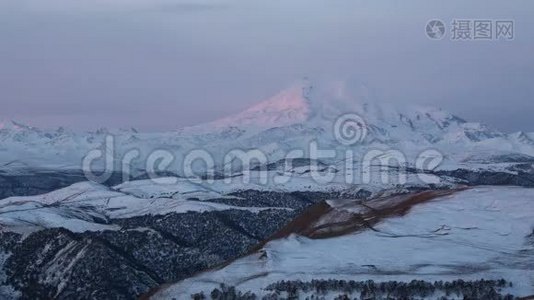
<point>523,137</point>
<point>23,133</point>
<point>288,107</point>
<point>10,125</point>
<point>302,102</point>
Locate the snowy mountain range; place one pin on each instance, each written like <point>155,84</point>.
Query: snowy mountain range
<point>287,121</point>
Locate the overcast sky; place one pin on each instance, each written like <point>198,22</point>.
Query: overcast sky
<point>165,64</point>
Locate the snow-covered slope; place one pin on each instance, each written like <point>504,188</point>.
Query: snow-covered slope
<point>484,232</point>
<point>287,108</point>
<point>88,206</point>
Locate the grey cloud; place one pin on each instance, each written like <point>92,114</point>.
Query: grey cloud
<point>189,7</point>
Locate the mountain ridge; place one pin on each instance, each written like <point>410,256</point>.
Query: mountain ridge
<point>291,119</point>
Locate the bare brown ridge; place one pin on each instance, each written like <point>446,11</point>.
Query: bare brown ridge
<point>321,221</point>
